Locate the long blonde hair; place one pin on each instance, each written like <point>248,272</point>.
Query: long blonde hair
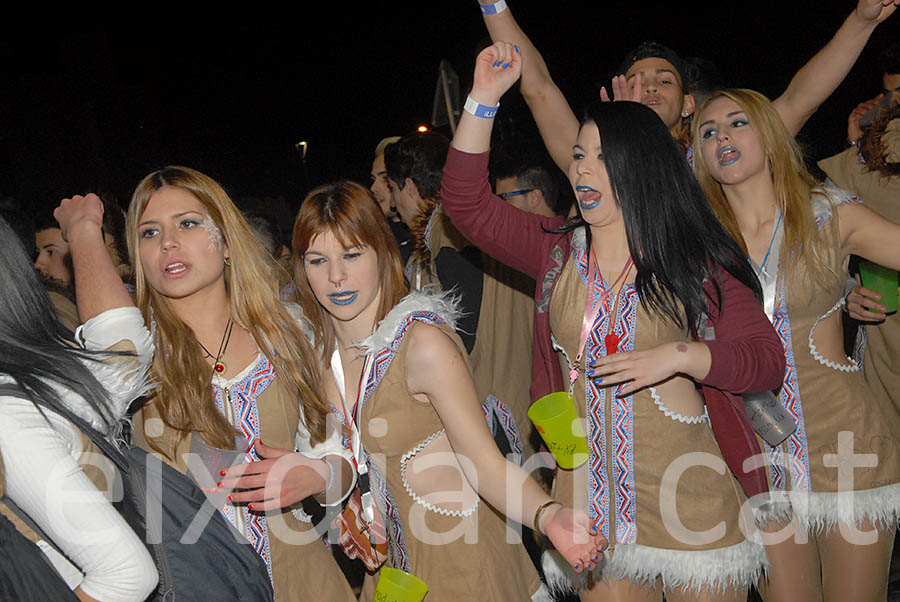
<point>183,395</point>
<point>793,183</point>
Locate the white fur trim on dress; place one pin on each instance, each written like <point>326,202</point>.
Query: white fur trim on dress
<point>542,595</point>
<point>820,512</point>
<point>777,512</point>
<point>737,566</point>
<point>445,305</point>
<point>579,238</point>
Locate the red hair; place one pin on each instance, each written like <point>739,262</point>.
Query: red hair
<point>351,213</point>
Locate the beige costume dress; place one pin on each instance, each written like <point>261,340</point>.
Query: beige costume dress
<point>655,482</point>
<point>461,554</point>
<point>881,194</point>
<point>836,413</point>
<point>300,565</point>
<point>502,356</point>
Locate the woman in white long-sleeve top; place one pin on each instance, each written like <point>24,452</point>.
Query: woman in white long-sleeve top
<point>62,378</point>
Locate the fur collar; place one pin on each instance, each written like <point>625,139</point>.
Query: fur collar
<point>445,305</point>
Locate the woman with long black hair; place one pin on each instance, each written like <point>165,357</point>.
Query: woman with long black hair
<point>629,286</point>
<point>59,381</point>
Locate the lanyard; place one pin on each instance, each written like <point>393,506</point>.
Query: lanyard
<point>351,418</point>
<point>592,310</point>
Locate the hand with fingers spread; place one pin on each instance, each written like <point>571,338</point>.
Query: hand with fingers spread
<point>573,535</point>
<point>622,91</point>
<point>282,478</point>
<point>496,69</point>
<point>863,305</point>
<point>854,132</point>
<point>651,366</point>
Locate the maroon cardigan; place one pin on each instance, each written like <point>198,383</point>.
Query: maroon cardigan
<point>747,355</point>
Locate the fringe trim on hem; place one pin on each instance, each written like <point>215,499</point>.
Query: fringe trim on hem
<point>739,565</point>
<point>820,512</point>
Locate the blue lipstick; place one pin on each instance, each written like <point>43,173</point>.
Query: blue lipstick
<point>728,149</point>
<point>343,298</point>
<point>587,206</point>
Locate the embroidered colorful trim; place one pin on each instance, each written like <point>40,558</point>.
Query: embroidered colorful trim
<point>621,427</point>
<point>795,447</point>
<point>245,417</point>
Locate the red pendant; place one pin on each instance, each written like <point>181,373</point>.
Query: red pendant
<point>219,367</point>
<point>612,343</point>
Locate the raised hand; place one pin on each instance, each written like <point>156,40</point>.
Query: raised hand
<point>863,305</point>
<point>574,536</point>
<point>876,11</point>
<point>496,69</point>
<point>282,478</point>
<point>622,91</point>
<point>854,132</point>
<point>78,210</point>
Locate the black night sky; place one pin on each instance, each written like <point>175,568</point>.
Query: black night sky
<point>96,104</point>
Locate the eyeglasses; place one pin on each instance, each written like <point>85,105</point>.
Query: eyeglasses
<point>506,195</point>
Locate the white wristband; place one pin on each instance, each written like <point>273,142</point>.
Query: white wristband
<point>479,110</point>
<point>493,9</point>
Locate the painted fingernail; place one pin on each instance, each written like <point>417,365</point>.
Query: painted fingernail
<point>506,66</point>
<point>594,529</point>
<point>516,47</point>
<point>222,473</point>
<point>596,558</point>
<point>577,566</point>
<point>498,63</point>
<point>219,484</point>
<point>249,506</point>
<point>228,498</point>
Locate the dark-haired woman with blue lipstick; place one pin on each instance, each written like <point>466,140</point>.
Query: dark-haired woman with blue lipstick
<point>628,287</point>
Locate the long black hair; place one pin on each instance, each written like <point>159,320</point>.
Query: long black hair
<point>37,349</point>
<point>675,239</point>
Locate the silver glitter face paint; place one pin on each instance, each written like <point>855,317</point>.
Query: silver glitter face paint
<point>216,243</point>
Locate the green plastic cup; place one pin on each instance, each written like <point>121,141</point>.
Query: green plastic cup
<point>395,585</point>
<point>882,280</point>
<point>556,419</point>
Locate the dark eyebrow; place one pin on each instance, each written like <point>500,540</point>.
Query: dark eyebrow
<point>732,114</point>
<point>176,216</point>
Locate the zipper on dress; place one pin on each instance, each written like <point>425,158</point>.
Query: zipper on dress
<point>229,413</point>
<point>610,478</point>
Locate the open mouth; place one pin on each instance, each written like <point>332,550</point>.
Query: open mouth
<point>728,155</point>
<point>176,268</point>
<point>652,101</point>
<point>588,197</point>
<point>343,298</point>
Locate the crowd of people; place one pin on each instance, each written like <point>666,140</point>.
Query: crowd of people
<point>355,400</point>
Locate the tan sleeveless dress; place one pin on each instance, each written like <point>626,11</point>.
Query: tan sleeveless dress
<point>655,484</point>
<point>461,555</point>
<point>300,571</point>
<point>836,412</point>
